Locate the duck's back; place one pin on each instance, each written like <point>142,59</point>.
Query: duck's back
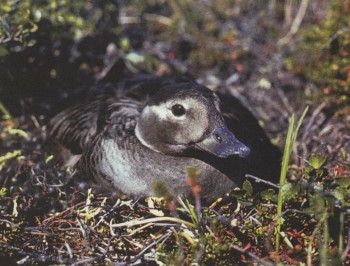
<point>76,127</point>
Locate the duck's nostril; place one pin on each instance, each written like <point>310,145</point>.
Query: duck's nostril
<point>218,138</point>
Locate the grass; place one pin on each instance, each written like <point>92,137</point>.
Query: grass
<point>292,134</point>
<point>4,111</point>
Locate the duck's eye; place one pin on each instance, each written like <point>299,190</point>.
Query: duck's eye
<point>178,110</point>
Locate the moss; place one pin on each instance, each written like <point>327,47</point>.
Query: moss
<point>19,19</point>
<point>323,56</point>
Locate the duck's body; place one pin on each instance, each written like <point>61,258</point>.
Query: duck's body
<point>145,130</point>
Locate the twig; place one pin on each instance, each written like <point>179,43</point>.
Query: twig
<point>153,220</point>
<point>111,57</point>
<point>38,257</point>
<point>252,255</point>
<point>259,180</point>
<point>85,261</point>
<point>67,211</point>
<point>69,250</point>
<point>23,261</point>
<point>83,228</point>
<point>291,210</point>
<point>180,200</point>
<point>296,23</point>
<point>9,222</point>
<point>335,36</point>
<point>164,237</point>
<point>69,229</point>
<point>158,18</point>
<point>35,121</point>
<point>312,119</point>
<point>138,229</point>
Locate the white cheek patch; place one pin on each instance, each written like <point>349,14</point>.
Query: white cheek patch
<point>189,127</point>
<point>161,111</point>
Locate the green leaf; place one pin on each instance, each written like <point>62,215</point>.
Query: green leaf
<point>5,8</point>
<point>247,186</point>
<point>4,111</point>
<point>268,194</point>
<point>245,202</point>
<point>292,134</point>
<point>317,205</point>
<point>3,191</point>
<point>309,171</point>
<point>317,160</point>
<point>344,155</point>
<point>290,190</point>
<point>343,181</point>
<point>135,58</point>
<point>238,193</point>
<point>341,193</point>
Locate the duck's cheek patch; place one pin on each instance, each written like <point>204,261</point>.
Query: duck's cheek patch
<point>159,111</point>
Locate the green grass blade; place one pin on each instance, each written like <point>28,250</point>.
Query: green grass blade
<point>288,148</point>
<point>6,113</point>
<point>295,134</point>
<point>284,169</point>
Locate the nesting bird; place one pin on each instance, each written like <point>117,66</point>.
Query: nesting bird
<point>138,132</point>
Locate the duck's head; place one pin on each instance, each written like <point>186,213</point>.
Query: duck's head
<point>185,117</point>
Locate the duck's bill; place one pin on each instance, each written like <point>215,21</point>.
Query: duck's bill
<point>222,143</point>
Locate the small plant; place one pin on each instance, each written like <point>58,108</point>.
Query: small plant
<point>290,140</point>
<point>323,57</point>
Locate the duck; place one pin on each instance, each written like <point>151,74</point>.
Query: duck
<point>131,135</point>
